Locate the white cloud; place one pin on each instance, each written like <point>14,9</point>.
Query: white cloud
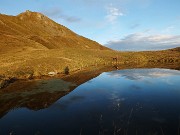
<point>140,74</point>
<point>169,29</point>
<point>113,13</point>
<point>141,41</point>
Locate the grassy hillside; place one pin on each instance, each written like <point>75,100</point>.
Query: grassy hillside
<point>41,62</point>
<point>32,45</point>
<point>31,31</point>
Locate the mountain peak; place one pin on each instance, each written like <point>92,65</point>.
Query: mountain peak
<point>31,15</point>
<point>35,30</point>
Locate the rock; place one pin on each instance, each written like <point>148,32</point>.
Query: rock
<point>6,81</point>
<point>52,73</point>
<point>28,76</point>
<point>3,83</point>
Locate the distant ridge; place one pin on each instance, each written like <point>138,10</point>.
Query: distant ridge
<point>33,30</point>
<point>176,49</point>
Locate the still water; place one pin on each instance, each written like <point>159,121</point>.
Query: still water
<point>122,102</point>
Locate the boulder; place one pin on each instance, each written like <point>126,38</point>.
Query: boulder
<point>52,73</point>
<point>3,83</point>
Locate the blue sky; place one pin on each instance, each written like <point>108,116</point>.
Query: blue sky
<point>119,24</point>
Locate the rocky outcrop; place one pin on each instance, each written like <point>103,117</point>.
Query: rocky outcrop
<point>4,82</point>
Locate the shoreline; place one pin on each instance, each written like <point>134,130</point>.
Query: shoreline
<point>6,81</point>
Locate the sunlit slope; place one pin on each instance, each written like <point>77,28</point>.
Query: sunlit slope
<point>31,44</point>
<point>32,30</point>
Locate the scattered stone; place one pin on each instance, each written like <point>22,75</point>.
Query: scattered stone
<point>66,70</point>
<point>52,73</point>
<point>3,83</point>
<point>28,76</point>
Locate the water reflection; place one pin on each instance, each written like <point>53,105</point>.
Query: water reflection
<point>134,74</point>
<point>33,95</point>
<point>64,105</point>
<point>40,94</point>
<point>125,102</point>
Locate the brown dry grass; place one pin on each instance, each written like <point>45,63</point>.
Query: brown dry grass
<point>32,44</point>
<point>41,62</point>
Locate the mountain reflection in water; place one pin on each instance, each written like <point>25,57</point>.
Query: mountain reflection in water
<point>127,102</point>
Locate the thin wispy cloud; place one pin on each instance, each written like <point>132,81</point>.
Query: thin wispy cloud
<point>52,12</point>
<point>72,19</point>
<point>58,13</point>
<point>134,26</point>
<point>141,41</point>
<point>113,13</point>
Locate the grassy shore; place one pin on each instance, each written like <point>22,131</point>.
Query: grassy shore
<point>36,63</point>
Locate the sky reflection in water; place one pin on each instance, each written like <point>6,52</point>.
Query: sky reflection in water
<point>136,101</point>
